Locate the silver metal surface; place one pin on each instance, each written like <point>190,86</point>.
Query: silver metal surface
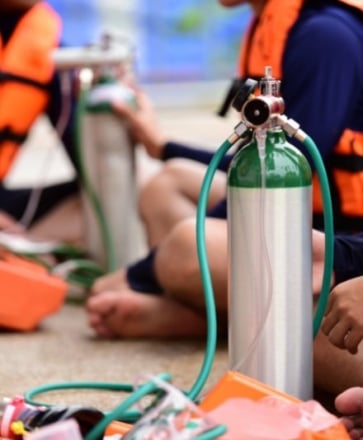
<point>66,58</point>
<point>110,163</point>
<point>270,287</point>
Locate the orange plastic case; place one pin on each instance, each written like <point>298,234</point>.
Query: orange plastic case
<point>234,385</point>
<point>28,293</point>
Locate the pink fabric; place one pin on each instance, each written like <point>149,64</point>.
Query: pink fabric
<point>271,418</point>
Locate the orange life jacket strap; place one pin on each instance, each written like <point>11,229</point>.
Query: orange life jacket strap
<point>27,52</point>
<point>8,150</point>
<point>265,39</point>
<point>12,77</point>
<point>26,69</point>
<point>7,134</point>
<point>346,179</point>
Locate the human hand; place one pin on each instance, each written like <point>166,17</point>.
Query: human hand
<point>343,321</point>
<point>142,123</point>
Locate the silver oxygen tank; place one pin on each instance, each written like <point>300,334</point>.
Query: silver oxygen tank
<point>109,158</point>
<point>113,231</point>
<point>270,252</point>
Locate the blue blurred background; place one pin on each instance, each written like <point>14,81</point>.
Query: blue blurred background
<point>191,40</point>
<point>174,40</point>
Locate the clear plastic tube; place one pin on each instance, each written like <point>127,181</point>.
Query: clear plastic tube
<point>264,281</point>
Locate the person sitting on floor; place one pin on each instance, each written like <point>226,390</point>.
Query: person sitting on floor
<point>162,295</point>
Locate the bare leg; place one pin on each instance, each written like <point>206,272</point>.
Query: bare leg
<point>125,313</point>
<point>63,223</point>
<point>172,195</point>
<point>177,265</point>
<point>177,270</point>
<point>335,369</point>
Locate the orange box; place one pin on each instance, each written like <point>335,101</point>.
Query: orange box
<point>28,293</point>
<point>234,385</point>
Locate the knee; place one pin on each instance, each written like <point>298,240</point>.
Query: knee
<point>156,189</point>
<point>149,194</point>
<point>177,260</point>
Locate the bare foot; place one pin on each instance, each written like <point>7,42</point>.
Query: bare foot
<point>350,404</point>
<point>136,315</point>
<point>111,282</point>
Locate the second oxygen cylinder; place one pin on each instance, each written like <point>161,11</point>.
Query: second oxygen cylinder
<point>270,281</point>
<point>109,156</point>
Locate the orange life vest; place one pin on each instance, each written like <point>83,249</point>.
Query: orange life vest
<point>264,45</point>
<point>26,69</point>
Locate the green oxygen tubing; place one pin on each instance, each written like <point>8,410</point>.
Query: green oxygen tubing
<point>123,412</point>
<point>292,129</point>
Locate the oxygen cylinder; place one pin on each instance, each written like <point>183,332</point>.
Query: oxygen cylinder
<point>270,263</point>
<point>107,153</point>
<point>109,158</point>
